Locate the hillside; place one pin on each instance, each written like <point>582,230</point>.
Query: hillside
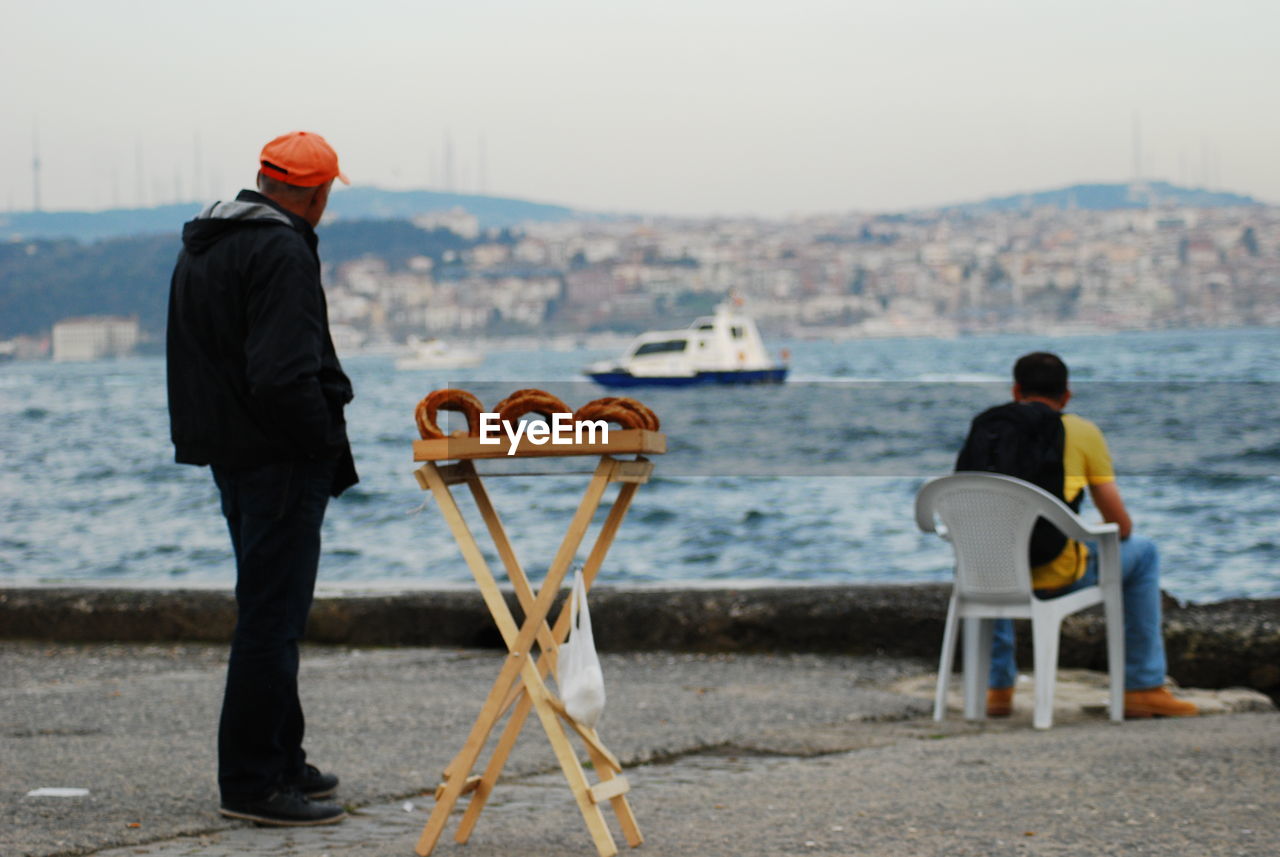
<point>357,203</point>
<point>1110,197</point>
<point>44,281</point>
<point>370,203</point>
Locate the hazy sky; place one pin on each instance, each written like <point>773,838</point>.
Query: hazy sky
<point>690,107</point>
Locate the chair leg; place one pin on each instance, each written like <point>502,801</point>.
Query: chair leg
<point>1114,610</point>
<point>1045,631</point>
<point>946,664</point>
<point>977,663</point>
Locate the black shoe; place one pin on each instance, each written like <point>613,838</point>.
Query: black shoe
<point>285,808</point>
<point>314,784</point>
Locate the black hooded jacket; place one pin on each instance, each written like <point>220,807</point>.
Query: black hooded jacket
<point>253,376</point>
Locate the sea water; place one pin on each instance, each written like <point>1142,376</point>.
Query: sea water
<point>809,482</point>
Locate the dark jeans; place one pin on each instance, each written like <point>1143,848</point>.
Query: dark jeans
<point>274,514</point>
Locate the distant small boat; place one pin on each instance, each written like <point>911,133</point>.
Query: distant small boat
<point>725,348</point>
<point>438,354</point>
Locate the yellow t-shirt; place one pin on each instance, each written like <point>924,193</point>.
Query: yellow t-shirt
<point>1085,461</point>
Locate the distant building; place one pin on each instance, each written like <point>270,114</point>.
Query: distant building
<point>456,220</point>
<point>94,337</point>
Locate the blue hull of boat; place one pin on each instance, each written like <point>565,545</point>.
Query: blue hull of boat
<point>626,379</point>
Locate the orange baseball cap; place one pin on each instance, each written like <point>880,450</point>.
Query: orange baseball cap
<point>302,159</point>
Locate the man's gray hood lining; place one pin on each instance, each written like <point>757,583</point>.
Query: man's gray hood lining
<point>237,210</point>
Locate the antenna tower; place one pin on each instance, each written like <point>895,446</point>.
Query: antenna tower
<point>35,169</point>
<point>1139,190</point>
<point>141,201</point>
<point>197,177</point>
<point>448,163</point>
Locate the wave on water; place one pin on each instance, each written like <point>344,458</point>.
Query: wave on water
<point>1267,453</point>
<point>813,481</point>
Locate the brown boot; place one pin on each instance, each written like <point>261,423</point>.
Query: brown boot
<point>999,701</point>
<point>1156,702</point>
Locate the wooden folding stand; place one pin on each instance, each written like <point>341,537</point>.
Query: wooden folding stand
<point>521,683</point>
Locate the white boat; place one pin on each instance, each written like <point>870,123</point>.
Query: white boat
<point>438,354</point>
<point>724,348</point>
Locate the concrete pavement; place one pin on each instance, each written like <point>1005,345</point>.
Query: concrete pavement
<point>727,754</point>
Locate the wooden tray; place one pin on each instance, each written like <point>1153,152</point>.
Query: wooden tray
<point>621,442</point>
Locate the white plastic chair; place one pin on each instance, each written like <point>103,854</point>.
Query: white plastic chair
<point>988,520</point>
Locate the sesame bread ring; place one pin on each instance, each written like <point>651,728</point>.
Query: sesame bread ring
<point>611,412</point>
<point>523,402</point>
<point>448,399</point>
<point>648,419</point>
<point>518,394</point>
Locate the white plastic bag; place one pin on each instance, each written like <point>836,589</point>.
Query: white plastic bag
<point>581,681</point>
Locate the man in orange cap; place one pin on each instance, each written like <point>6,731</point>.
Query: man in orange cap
<point>256,392</point>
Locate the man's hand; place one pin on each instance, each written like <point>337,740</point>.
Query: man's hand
<point>1106,496</point>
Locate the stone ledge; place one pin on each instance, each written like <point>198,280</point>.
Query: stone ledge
<point>1224,644</point>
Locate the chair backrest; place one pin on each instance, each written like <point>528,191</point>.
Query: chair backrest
<point>988,519</point>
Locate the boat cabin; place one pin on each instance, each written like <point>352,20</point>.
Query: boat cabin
<point>722,348</point>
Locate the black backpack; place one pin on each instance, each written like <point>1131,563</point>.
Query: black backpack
<point>1023,440</point>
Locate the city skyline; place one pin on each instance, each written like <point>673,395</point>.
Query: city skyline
<point>709,108</point>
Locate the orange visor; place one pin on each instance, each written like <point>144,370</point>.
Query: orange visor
<point>302,159</point>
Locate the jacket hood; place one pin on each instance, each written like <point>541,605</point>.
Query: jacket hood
<point>222,218</point>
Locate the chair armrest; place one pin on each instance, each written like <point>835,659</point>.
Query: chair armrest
<point>1110,573</point>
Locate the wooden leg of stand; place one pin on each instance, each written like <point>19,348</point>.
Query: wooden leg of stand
<point>531,692</point>
<point>462,764</point>
<point>568,760</point>
<point>588,736</point>
<point>536,615</point>
<point>474,558</point>
<point>515,572</point>
<point>518,642</point>
<point>592,567</point>
<point>595,559</point>
<point>533,607</point>
<point>489,778</point>
<point>590,570</point>
<point>621,808</point>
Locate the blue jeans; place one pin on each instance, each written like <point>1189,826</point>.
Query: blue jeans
<point>273,513</point>
<point>1144,663</point>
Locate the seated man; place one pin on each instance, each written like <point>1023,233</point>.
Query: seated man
<point>1042,377</point>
